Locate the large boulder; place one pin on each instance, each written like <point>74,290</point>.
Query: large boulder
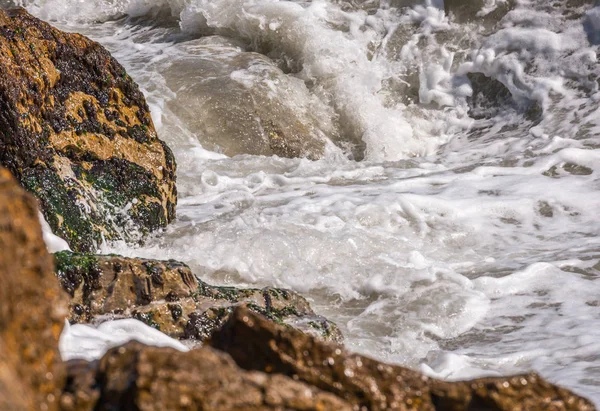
<point>76,131</point>
<point>32,306</point>
<point>167,296</point>
<point>258,344</point>
<point>137,377</point>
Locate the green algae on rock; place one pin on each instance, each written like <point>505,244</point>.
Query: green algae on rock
<point>76,131</point>
<point>167,296</point>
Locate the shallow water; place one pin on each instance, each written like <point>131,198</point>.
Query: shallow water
<point>451,224</point>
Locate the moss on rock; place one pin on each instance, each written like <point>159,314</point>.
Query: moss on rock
<point>167,296</point>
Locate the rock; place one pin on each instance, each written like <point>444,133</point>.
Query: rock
<point>76,131</point>
<point>167,296</point>
<point>490,97</point>
<point>81,391</point>
<point>258,344</point>
<point>465,11</point>
<point>32,306</point>
<point>137,377</point>
<point>14,394</point>
<point>230,103</point>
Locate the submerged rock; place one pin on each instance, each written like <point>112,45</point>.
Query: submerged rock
<point>486,13</point>
<point>76,131</point>
<point>257,344</point>
<point>137,377</point>
<point>32,306</point>
<point>240,102</point>
<point>490,98</point>
<point>167,296</point>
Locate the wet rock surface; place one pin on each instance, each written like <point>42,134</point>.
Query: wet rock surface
<point>256,344</point>
<point>138,377</point>
<point>32,306</point>
<point>230,101</point>
<point>167,296</point>
<point>490,96</point>
<point>76,131</point>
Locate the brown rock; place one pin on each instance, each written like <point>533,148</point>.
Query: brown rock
<point>76,131</point>
<point>14,395</point>
<point>258,344</point>
<point>167,296</point>
<point>81,391</point>
<point>32,306</point>
<point>138,377</point>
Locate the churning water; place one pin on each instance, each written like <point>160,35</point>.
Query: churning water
<point>451,221</point>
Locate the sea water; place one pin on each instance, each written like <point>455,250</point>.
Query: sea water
<point>451,224</point>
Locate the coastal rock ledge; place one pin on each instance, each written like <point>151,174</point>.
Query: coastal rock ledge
<point>250,363</point>
<point>167,296</point>
<point>76,131</point>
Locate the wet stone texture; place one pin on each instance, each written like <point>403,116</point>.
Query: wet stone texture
<point>257,344</point>
<point>167,296</point>
<point>76,131</point>
<point>32,307</point>
<point>137,377</point>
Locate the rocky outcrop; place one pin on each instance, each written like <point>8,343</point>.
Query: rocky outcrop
<point>257,344</point>
<point>169,297</point>
<point>137,377</point>
<point>32,306</point>
<point>76,131</point>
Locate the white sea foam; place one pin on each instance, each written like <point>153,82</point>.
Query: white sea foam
<point>53,242</point>
<point>81,341</point>
<point>465,244</point>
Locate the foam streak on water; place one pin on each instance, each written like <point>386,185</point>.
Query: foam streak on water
<point>464,243</point>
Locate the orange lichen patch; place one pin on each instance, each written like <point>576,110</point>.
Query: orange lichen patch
<point>104,148</point>
<point>27,56</point>
<point>128,114</point>
<point>30,123</point>
<point>74,105</point>
<point>50,71</point>
<point>78,41</point>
